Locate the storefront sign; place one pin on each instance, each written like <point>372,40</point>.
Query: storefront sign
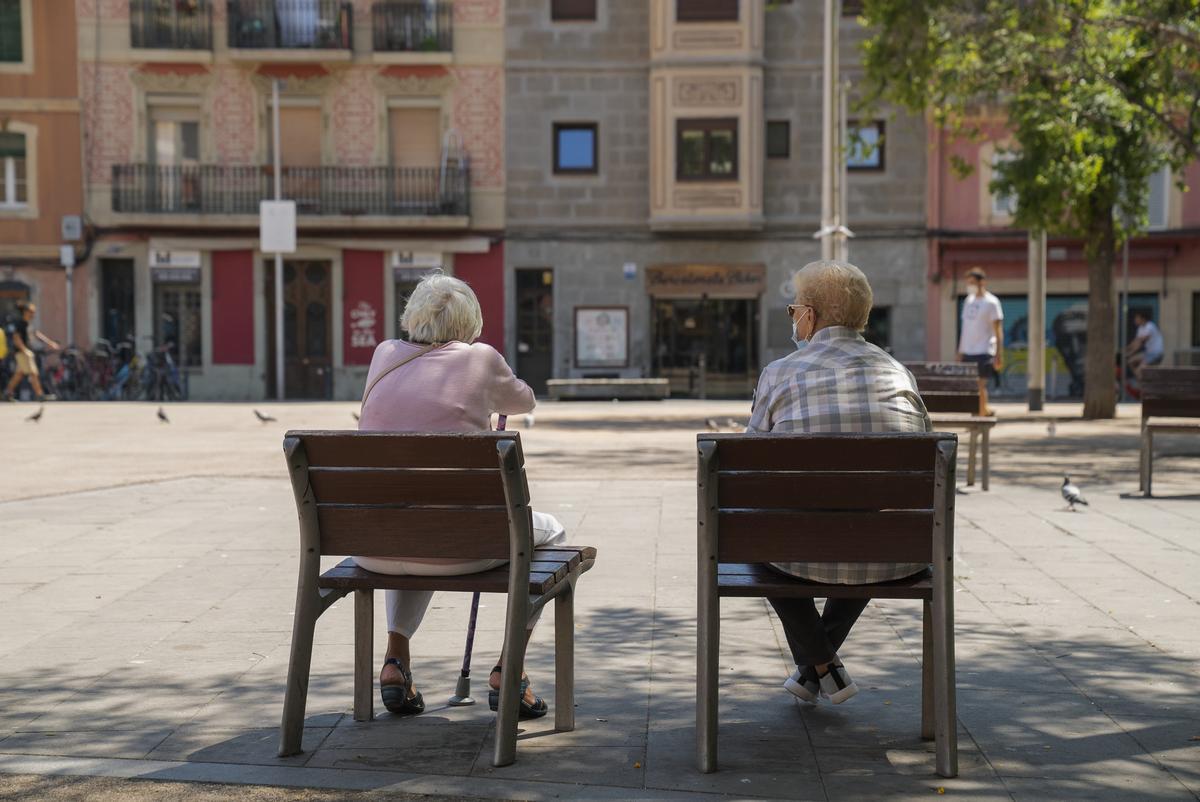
<point>174,258</point>
<point>175,275</point>
<point>713,281</point>
<point>362,326</point>
<point>416,259</point>
<point>601,336</point>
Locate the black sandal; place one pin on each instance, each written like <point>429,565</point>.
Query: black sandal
<point>396,698</point>
<point>526,711</point>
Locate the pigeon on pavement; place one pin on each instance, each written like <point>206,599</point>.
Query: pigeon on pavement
<point>712,425</point>
<point>529,420</point>
<point>162,416</point>
<point>263,418</point>
<point>355,414</point>
<point>1051,429</point>
<point>1071,493</point>
<point>37,416</point>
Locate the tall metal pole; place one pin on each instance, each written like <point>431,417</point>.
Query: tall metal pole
<point>1123,329</point>
<point>70,305</point>
<point>841,239</point>
<point>279,394</point>
<point>828,132</point>
<point>1036,363</point>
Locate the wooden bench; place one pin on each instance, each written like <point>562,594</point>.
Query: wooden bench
<point>1170,405</point>
<point>836,498</point>
<point>455,496</point>
<point>606,389</point>
<point>950,391</point>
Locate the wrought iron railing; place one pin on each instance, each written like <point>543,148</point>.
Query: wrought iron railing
<point>171,24</point>
<point>237,189</point>
<point>413,26</point>
<point>302,24</point>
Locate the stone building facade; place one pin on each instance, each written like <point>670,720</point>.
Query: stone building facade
<point>664,183</point>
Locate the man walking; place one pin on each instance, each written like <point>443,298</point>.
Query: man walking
<point>26,363</point>
<point>982,339</point>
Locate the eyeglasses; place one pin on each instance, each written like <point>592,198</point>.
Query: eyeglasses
<point>793,307</point>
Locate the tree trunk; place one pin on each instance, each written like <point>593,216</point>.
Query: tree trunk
<point>1099,389</point>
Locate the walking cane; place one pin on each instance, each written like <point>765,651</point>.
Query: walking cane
<point>462,692</point>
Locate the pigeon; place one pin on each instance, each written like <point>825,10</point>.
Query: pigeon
<point>734,426</point>
<point>263,418</point>
<point>355,414</point>
<point>712,425</point>
<point>1051,429</point>
<point>37,416</point>
<point>1071,493</point>
<point>529,420</point>
<point>162,416</point>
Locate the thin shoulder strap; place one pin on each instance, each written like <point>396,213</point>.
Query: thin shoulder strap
<point>401,363</point>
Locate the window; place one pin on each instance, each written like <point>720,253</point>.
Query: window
<point>1003,205</point>
<point>177,321</point>
<point>575,148</point>
<point>14,185</point>
<point>572,10</point>
<point>1157,199</point>
<point>706,150</point>
<point>779,139</point>
<point>864,145</point>
<point>706,10</point>
<point>12,44</point>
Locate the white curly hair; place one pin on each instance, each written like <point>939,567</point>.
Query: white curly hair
<point>441,309</point>
<point>838,292</point>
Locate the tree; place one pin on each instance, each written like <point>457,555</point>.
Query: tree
<point>1098,94</point>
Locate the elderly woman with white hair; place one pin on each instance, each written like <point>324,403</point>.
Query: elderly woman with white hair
<point>834,382</point>
<point>440,380</point>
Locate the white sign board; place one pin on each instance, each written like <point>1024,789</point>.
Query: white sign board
<point>66,255</point>
<point>277,226</point>
<point>601,337</point>
<point>416,259</point>
<point>72,227</point>
<point>159,258</point>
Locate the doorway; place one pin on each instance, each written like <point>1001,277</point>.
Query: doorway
<point>535,327</point>
<point>307,329</point>
<point>116,300</point>
<point>707,347</point>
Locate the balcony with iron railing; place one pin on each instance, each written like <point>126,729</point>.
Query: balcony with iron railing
<point>170,25</point>
<point>321,192</point>
<point>319,27</point>
<point>404,29</point>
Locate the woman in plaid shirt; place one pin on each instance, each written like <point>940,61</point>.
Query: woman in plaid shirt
<point>834,382</point>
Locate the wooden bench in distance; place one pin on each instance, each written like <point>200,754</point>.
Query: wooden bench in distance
<point>1170,405</point>
<point>440,496</point>
<point>834,498</point>
<point>950,391</point>
<point>607,389</point>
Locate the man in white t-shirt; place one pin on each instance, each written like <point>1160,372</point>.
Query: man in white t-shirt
<point>1147,347</point>
<point>982,339</point>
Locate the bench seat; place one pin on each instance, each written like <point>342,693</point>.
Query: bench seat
<point>758,580</point>
<point>1173,425</point>
<point>550,566</point>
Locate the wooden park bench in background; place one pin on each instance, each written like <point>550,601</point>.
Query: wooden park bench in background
<point>440,496</point>
<point>1170,405</point>
<point>880,498</point>
<point>950,391</point>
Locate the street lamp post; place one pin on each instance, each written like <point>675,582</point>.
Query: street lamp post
<point>279,393</point>
<point>833,232</point>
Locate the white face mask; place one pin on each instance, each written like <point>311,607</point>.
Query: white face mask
<point>972,290</point>
<point>800,343</point>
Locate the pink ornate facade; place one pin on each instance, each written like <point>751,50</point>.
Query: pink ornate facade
<point>478,114</point>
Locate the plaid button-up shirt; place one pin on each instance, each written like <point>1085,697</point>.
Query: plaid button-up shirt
<point>839,383</point>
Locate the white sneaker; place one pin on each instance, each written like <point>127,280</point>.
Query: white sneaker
<point>837,684</point>
<point>803,684</point>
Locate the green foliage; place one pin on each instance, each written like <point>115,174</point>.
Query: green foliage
<point>1098,94</point>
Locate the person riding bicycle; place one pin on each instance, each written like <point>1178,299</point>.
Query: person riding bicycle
<point>26,363</point>
<point>1146,348</point>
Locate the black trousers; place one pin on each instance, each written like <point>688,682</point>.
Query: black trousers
<point>815,638</point>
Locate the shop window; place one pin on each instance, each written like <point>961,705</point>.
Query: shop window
<point>779,139</point>
<point>879,328</point>
<point>706,10</point>
<point>865,145</point>
<point>572,10</point>
<point>575,148</point>
<point>177,321</point>
<point>14,170</point>
<point>706,150</point>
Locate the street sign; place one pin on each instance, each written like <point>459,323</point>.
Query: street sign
<point>160,258</point>
<point>630,270</point>
<point>72,228</point>
<point>277,226</point>
<point>66,255</point>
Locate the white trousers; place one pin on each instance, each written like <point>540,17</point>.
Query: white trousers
<point>406,608</point>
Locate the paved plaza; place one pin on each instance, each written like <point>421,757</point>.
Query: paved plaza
<point>150,576</point>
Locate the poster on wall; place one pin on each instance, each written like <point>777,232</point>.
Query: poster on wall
<point>601,336</point>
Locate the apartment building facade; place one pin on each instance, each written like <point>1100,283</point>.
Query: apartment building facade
<point>972,227</point>
<point>664,184</point>
<point>39,160</point>
<point>391,145</point>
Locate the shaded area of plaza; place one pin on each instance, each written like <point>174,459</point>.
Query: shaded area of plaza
<point>149,615</point>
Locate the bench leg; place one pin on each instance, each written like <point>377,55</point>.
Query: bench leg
<point>985,448</point>
<point>564,661</point>
<point>708,638</point>
<point>291,729</point>
<point>1148,450</point>
<point>1142,461</point>
<point>515,638</point>
<point>927,671</point>
<point>971,458</point>
<point>364,655</point>
<point>945,709</point>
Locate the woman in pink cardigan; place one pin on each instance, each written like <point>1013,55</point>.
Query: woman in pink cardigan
<point>444,382</point>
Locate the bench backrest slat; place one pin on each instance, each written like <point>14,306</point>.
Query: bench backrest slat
<point>1171,392</point>
<point>825,498</point>
<point>410,495</point>
<point>947,386</point>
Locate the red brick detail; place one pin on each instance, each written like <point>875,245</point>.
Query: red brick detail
<point>478,116</point>
<point>485,273</point>
<point>415,71</point>
<point>354,110</point>
<point>233,307</point>
<point>293,70</point>
<point>107,95</point>
<point>156,68</point>
<point>107,9</point>
<point>234,106</point>
<point>362,305</point>
<point>476,11</point>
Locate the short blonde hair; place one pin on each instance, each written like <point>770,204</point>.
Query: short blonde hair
<point>441,309</point>
<point>838,292</point>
